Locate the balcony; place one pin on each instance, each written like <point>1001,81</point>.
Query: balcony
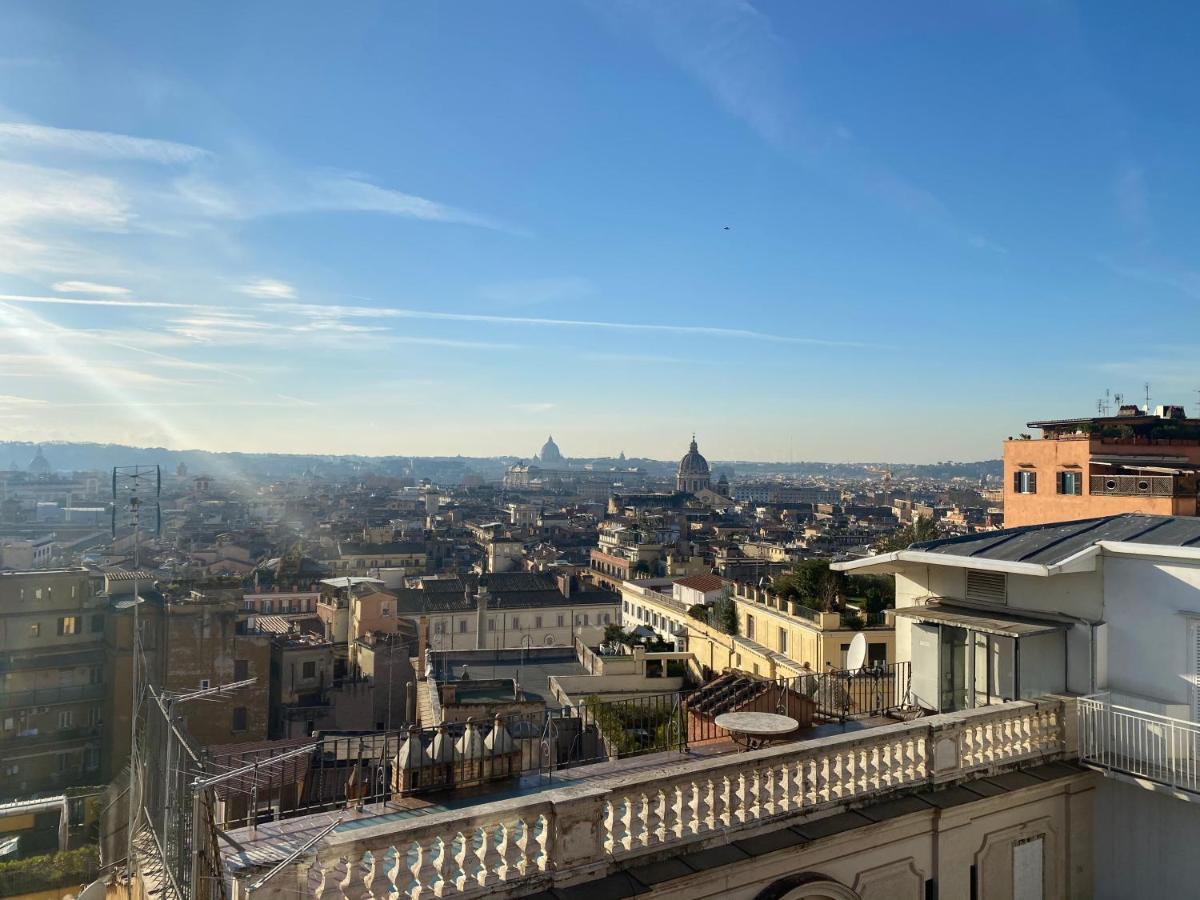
<point>51,696</point>
<point>51,739</point>
<point>1124,741</point>
<point>1133,485</point>
<point>565,835</point>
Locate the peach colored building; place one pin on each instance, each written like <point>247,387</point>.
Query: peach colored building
<point>1101,466</point>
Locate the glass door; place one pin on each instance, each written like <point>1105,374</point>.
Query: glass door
<point>953,662</point>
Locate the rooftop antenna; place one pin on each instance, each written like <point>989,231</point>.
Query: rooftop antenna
<point>1147,386</point>
<point>135,491</point>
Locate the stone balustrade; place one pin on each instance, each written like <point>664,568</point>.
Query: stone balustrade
<point>577,832</point>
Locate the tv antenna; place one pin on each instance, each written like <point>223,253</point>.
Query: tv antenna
<point>1147,386</point>
<point>135,491</point>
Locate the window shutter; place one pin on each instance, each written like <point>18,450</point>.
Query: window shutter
<point>1196,671</point>
<point>1016,482</point>
<point>1033,482</point>
<point>1060,482</point>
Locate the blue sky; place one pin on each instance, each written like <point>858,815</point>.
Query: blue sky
<point>802,230</point>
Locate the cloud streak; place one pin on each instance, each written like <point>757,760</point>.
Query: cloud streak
<point>488,319</point>
<point>101,144</point>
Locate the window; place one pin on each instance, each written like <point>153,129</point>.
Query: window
<point>491,624</point>
<point>239,718</point>
<point>64,762</point>
<point>876,654</point>
<point>1024,482</point>
<point>68,625</point>
<point>241,669</point>
<point>462,626</point>
<point>66,718</point>
<point>205,684</point>
<point>439,627</point>
<point>13,769</point>
<point>516,622</point>
<point>537,621</point>
<point>97,624</point>
<point>1069,483</point>
<point>310,669</point>
<point>783,640</point>
<point>750,627</point>
<point>387,612</point>
<point>35,629</point>
<point>560,621</point>
<point>585,618</point>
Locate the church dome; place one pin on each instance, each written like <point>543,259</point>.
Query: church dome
<point>693,463</point>
<point>550,452</point>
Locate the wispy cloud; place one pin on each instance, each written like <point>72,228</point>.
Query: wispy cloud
<point>102,144</point>
<point>76,301</point>
<point>31,194</point>
<point>387,312</point>
<point>89,287</point>
<point>268,289</point>
<point>538,291</point>
<point>534,408</point>
<point>731,49</point>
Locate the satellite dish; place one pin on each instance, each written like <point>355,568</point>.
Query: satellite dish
<point>857,654</point>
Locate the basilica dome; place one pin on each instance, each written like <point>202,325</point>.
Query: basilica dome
<point>550,453</point>
<point>693,472</point>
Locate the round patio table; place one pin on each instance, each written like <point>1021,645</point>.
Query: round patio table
<point>751,730</point>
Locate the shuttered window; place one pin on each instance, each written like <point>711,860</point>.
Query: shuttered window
<point>987,587</point>
<point>1069,483</point>
<point>1196,671</point>
<point>1025,482</point>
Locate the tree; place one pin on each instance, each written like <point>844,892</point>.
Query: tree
<point>613,634</point>
<point>813,584</point>
<point>723,613</point>
<point>923,529</point>
<point>641,567</point>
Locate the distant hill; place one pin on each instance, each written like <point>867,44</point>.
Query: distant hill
<point>78,457</point>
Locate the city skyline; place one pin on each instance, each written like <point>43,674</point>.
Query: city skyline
<point>762,223</point>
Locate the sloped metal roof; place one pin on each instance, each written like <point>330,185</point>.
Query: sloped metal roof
<point>1052,543</point>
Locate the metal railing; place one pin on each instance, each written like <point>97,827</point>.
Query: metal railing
<point>1131,741</point>
<point>51,695</point>
<point>1130,485</point>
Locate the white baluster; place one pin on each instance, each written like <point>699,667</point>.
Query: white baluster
<point>334,875</point>
<point>622,815</point>
<point>315,879</point>
<point>354,886</point>
<point>490,855</point>
<point>539,853</point>
<point>674,810</point>
<point>472,862</point>
<point>517,855</point>
<point>454,867</point>
<point>654,817</point>
<point>722,787</point>
<point>430,882</point>
<point>701,806</point>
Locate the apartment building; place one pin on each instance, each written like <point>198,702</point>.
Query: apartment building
<point>51,681</point>
<point>775,638</point>
<point>1137,461</point>
<point>1107,609</point>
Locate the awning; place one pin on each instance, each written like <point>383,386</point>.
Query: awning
<point>979,620</point>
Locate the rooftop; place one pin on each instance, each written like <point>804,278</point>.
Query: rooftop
<point>1055,542</point>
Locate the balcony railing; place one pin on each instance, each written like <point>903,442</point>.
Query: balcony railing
<point>51,696</point>
<point>557,836</point>
<point>1133,485</point>
<point>1129,741</point>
